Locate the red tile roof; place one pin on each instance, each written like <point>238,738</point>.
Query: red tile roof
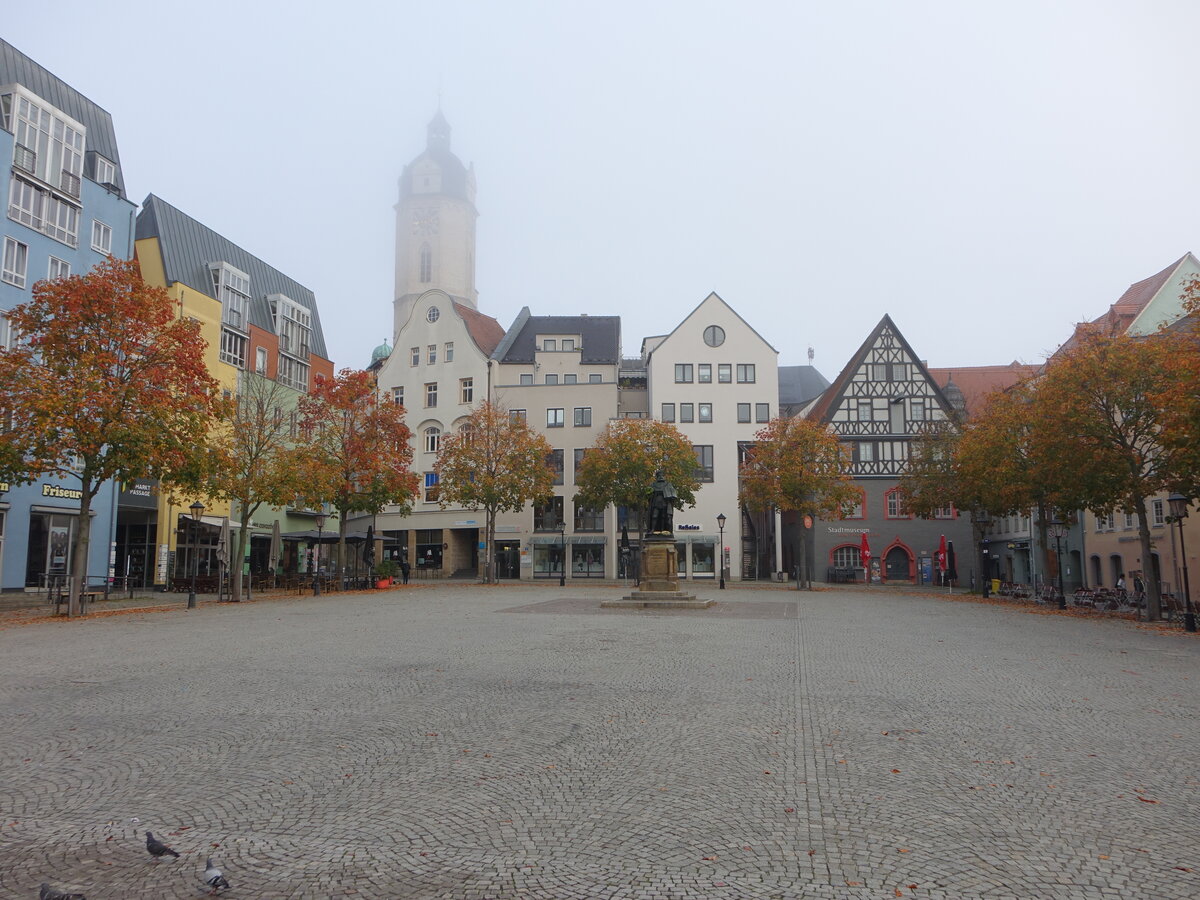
<point>976,382</point>
<point>485,331</point>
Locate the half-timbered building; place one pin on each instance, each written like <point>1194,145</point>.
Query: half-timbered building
<point>880,402</point>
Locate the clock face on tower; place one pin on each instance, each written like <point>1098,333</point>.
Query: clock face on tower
<point>425,222</point>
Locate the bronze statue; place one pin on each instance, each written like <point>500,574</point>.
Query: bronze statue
<point>663,503</point>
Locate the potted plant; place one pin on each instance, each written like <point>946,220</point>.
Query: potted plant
<point>384,573</point>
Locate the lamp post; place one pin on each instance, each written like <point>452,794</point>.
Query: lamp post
<point>721,549</point>
<point>197,509</point>
<point>1057,529</point>
<point>982,519</point>
<point>562,553</point>
<point>317,555</point>
<point>1179,511</point>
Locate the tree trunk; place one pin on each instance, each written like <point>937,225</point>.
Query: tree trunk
<point>1149,576</point>
<point>237,560</point>
<point>489,536</point>
<point>79,559</point>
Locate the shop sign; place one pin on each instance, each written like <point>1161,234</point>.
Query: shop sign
<point>687,527</point>
<point>61,493</point>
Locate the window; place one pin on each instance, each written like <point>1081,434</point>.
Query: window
<point>293,325</point>
<point>101,237</point>
<point>704,411</point>
<point>594,378</point>
<point>232,287</point>
<point>714,335</point>
<point>724,373</point>
<point>863,411</point>
<point>554,418</point>
<point>847,557</point>
<point>106,172</point>
<point>944,512</point>
<point>233,348</point>
<point>449,351</point>
<point>551,379</point>
<point>683,373</point>
<point>398,395</point>
<point>517,415</point>
<point>415,356</point>
<point>431,487</point>
<point>292,373</point>
<point>704,373</point>
<point>59,268</point>
<point>570,379</point>
<point>431,394</point>
<point>16,260</point>
<point>1128,520</point>
<point>548,514</point>
<point>1157,513</point>
<point>1105,522</point>
<point>432,349</point>
<point>425,266</point>
<point>583,417</point>
<point>687,412</point>
<point>555,459</point>
<point>588,519</point>
<point>916,408</point>
<point>433,315</point>
<point>42,211</point>
<point>549,344</point>
<point>704,462</point>
<point>433,439</point>
<point>743,412</point>
<point>568,343</point>
<point>580,453</point>
<point>895,505</point>
<point>260,360</point>
<point>527,378</point>
<point>466,390</point>
<point>745,373</point>
<point>854,509</point>
<point>762,412</point>
<point>864,451</point>
<point>668,412</point>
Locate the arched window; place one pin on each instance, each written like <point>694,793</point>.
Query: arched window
<point>426,267</point>
<point>433,439</point>
<point>847,557</point>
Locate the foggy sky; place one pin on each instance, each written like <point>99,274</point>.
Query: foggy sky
<point>987,173</point>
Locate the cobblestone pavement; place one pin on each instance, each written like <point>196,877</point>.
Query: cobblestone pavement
<point>474,742</point>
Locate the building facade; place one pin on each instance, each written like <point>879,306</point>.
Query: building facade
<point>66,211</point>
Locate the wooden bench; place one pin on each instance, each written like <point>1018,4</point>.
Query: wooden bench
<point>86,598</point>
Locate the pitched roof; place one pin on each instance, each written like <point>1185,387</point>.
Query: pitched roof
<point>976,382</point>
<point>188,248</point>
<point>17,68</point>
<point>648,350</point>
<point>798,385</point>
<point>599,337</point>
<point>485,331</point>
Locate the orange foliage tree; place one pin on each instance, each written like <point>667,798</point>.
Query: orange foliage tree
<point>495,463</point>
<point>106,381</point>
<point>353,449</point>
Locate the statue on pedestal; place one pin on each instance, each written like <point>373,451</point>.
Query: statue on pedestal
<point>663,503</point>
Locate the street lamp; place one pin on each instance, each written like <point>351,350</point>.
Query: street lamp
<point>197,509</point>
<point>1179,511</point>
<point>721,549</point>
<point>981,518</point>
<point>1057,529</point>
<point>317,555</point>
<point>562,553</point>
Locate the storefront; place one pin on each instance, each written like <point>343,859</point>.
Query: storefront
<point>587,557</point>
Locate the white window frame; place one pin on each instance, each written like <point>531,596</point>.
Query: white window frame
<point>101,237</point>
<point>398,395</point>
<point>58,268</point>
<point>260,360</point>
<point>232,287</point>
<point>466,390</point>
<point>106,172</point>
<point>16,263</point>
<point>433,439</point>
<point>449,352</point>
<point>1158,513</point>
<point>234,345</point>
<point>431,394</point>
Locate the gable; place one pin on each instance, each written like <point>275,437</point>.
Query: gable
<point>712,310</point>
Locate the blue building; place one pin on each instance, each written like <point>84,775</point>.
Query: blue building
<point>66,211</point>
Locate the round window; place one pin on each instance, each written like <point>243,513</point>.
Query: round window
<point>714,335</point>
<point>433,314</point>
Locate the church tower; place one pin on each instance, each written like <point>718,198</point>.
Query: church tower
<point>435,225</point>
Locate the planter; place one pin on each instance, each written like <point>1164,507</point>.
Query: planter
<point>383,582</point>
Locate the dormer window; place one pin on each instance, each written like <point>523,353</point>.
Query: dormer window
<point>106,172</point>
<point>232,287</point>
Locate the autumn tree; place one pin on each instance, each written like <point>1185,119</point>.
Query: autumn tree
<point>1098,412</point>
<point>619,469</point>
<point>931,474</point>
<point>353,449</point>
<point>252,463</point>
<point>797,464</point>
<point>1180,398</point>
<point>496,463</point>
<point>107,382</point>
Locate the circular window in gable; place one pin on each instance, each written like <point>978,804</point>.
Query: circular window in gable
<point>714,335</point>
<point>433,314</point>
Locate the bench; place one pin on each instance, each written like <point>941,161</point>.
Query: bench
<point>86,598</point>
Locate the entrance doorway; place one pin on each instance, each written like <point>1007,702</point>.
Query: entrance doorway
<point>508,559</point>
<point>896,563</point>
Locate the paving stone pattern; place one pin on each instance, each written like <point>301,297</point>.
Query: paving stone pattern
<point>473,742</point>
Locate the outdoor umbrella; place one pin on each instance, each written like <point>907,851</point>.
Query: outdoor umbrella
<point>864,551</point>
<point>223,549</point>
<point>941,558</point>
<point>369,547</point>
<point>276,547</point>
<point>951,565</point>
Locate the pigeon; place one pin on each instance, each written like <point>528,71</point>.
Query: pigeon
<point>49,893</point>
<point>213,877</point>
<point>157,847</point>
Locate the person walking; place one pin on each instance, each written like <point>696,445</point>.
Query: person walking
<point>405,568</point>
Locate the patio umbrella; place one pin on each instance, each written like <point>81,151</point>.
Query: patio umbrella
<point>276,547</point>
<point>223,550</point>
<point>941,559</point>
<point>951,564</point>
<point>864,551</point>
<point>369,547</point>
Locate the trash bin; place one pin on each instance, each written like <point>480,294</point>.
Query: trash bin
<point>995,585</point>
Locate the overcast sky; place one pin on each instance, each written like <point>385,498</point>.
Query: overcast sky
<point>988,173</point>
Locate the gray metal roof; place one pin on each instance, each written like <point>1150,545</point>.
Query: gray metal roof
<point>599,337</point>
<point>189,247</point>
<point>17,68</point>
<point>798,385</point>
<point>437,148</point>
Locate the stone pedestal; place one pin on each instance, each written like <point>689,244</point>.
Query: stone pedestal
<point>660,581</point>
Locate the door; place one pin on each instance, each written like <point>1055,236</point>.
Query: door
<point>896,562</point>
<point>508,559</point>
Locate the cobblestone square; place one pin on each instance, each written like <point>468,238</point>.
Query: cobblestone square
<point>520,742</point>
